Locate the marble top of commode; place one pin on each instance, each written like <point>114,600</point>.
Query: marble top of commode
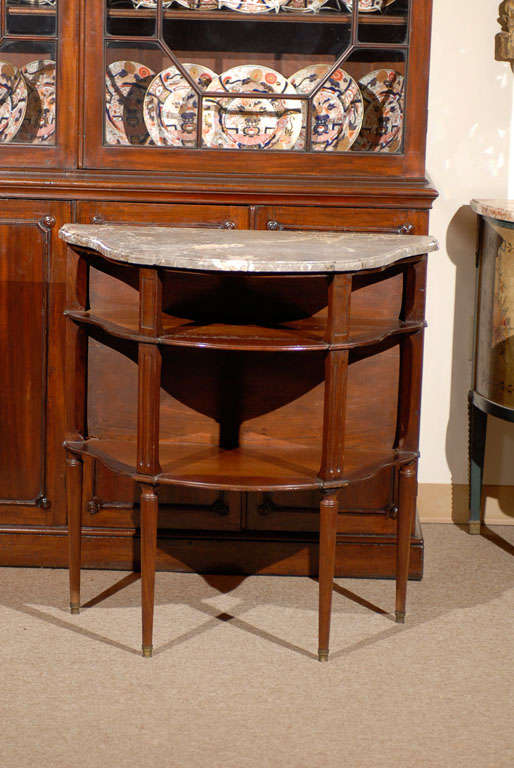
<point>245,250</point>
<point>502,210</point>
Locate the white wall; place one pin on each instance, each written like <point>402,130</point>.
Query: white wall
<point>470,150</point>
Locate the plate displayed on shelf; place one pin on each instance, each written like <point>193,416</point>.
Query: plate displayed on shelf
<point>151,3</point>
<point>200,5</point>
<point>125,87</point>
<point>252,123</point>
<point>253,6</point>
<point>369,6</point>
<point>13,101</point>
<point>171,105</point>
<point>39,124</point>
<point>337,109</point>
<point>383,91</point>
<point>303,6</point>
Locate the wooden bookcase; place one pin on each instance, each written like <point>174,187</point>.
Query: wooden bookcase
<point>80,176</point>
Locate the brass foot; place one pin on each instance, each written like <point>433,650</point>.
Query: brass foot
<point>147,651</point>
<point>474,526</point>
<point>323,655</point>
<point>400,617</point>
<point>74,608</point>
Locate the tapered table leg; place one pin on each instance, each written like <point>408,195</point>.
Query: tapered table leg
<point>149,512</point>
<point>74,508</point>
<point>406,511</point>
<point>327,561</point>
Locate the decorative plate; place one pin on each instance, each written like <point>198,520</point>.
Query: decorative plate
<point>253,6</point>
<point>303,6</point>
<point>369,6</point>
<point>338,109</point>
<point>125,87</point>
<point>384,96</point>
<point>39,123</point>
<point>151,3</point>
<point>171,105</point>
<point>200,5</point>
<point>13,101</point>
<point>252,123</point>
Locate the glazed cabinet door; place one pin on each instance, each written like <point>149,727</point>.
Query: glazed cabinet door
<point>31,373</point>
<point>320,88</point>
<point>112,386</point>
<point>39,83</point>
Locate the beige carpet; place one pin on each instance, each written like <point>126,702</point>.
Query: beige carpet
<point>234,682</point>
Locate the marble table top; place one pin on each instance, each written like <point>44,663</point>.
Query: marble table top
<point>245,250</point>
<point>502,210</point>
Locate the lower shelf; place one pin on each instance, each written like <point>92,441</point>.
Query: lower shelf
<point>270,465</point>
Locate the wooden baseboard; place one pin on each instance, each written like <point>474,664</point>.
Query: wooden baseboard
<point>445,503</point>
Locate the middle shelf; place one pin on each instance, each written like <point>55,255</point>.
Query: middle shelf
<point>307,334</point>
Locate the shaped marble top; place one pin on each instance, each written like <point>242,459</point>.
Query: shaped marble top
<point>245,250</point>
<point>502,210</point>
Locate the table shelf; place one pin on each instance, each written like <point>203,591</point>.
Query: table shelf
<point>264,465</point>
<point>299,335</point>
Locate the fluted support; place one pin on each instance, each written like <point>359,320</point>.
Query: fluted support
<point>74,506</point>
<point>406,511</point>
<point>327,562</point>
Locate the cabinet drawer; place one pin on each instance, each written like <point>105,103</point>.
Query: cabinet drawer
<point>375,220</point>
<point>167,214</point>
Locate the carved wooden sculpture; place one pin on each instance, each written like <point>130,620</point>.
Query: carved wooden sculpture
<point>505,38</point>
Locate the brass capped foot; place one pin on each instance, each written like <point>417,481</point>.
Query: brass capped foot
<point>400,617</point>
<point>474,526</point>
<point>74,608</point>
<point>323,655</point>
<point>147,651</point>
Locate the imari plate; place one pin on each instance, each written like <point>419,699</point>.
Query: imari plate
<point>253,6</point>
<point>303,6</point>
<point>252,123</point>
<point>337,109</point>
<point>369,6</point>
<point>151,3</point>
<point>13,101</point>
<point>39,123</point>
<point>171,105</point>
<point>200,5</point>
<point>384,96</point>
<point>125,87</point>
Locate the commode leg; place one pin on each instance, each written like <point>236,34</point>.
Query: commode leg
<point>327,560</point>
<point>74,508</point>
<point>149,512</point>
<point>406,510</point>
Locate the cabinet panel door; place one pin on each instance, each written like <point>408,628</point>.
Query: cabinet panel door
<point>112,390</point>
<point>31,375</point>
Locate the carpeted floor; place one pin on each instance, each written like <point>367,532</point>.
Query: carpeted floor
<point>234,681</point>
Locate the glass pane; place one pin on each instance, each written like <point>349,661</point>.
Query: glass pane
<point>256,74</point>
<point>383,21</point>
<point>27,92</point>
<point>31,17</point>
<point>381,78</point>
<point>135,18</point>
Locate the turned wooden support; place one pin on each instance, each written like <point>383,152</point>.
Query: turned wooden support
<point>149,370</point>
<point>149,512</point>
<point>336,377</point>
<point>327,562</point>
<point>76,341</point>
<point>406,511</point>
<point>74,506</point>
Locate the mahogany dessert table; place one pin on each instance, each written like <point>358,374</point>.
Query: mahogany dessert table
<point>238,325</point>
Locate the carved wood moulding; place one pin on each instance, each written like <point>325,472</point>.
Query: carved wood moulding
<point>505,39</point>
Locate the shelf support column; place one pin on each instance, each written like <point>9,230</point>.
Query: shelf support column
<point>149,371</point>
<point>76,341</point>
<point>149,388</point>
<point>334,413</point>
